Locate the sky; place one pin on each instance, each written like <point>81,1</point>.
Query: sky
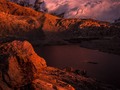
<point>104,10</point>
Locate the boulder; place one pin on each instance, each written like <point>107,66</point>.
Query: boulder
<point>19,63</point>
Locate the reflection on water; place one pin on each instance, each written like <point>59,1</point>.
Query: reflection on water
<point>106,67</point>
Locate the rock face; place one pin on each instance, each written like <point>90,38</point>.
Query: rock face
<point>21,68</point>
<point>22,22</point>
<point>19,63</point>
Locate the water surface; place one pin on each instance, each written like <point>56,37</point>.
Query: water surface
<point>107,69</point>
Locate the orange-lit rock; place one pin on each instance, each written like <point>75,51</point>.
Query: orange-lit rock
<point>14,9</point>
<point>22,69</point>
<point>93,23</point>
<point>23,21</point>
<point>19,63</point>
<point>43,85</point>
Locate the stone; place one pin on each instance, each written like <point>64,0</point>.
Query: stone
<point>19,63</point>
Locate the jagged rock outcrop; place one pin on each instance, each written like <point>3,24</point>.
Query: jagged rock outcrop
<point>20,67</point>
<point>19,63</point>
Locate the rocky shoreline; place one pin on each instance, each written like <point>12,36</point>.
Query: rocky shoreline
<point>22,69</point>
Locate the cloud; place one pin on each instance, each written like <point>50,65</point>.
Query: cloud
<point>107,10</point>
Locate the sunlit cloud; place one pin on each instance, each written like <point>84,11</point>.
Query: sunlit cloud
<point>107,10</point>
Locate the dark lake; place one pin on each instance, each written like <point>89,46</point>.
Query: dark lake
<point>106,67</point>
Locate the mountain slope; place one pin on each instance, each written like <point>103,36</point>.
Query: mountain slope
<point>22,21</point>
<point>14,9</point>
<point>16,20</point>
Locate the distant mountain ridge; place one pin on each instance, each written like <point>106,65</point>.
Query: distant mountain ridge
<point>39,24</point>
